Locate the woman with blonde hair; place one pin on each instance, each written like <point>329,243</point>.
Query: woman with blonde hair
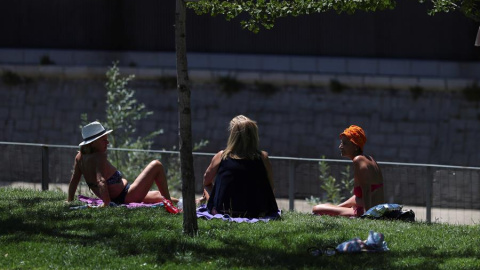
<point>239,179</point>
<point>368,179</point>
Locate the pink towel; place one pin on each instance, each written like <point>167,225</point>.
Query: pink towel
<point>96,201</point>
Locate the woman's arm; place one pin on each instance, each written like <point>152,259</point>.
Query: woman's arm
<point>349,203</point>
<point>75,179</point>
<point>209,176</point>
<point>102,190</point>
<point>102,187</point>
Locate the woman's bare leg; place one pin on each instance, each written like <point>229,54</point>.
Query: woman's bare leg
<point>333,210</point>
<point>140,188</point>
<point>154,196</point>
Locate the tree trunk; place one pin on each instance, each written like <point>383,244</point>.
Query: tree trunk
<point>190,225</point>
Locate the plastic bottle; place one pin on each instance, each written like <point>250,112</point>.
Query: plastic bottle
<point>169,207</point>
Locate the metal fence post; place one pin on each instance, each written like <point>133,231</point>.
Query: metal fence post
<point>428,193</point>
<point>45,172</point>
<point>291,185</point>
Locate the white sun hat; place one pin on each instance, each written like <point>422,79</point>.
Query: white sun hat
<point>92,132</point>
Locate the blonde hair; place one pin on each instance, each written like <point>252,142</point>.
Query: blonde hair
<point>243,139</point>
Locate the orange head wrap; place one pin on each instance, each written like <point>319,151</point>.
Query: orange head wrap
<point>356,135</point>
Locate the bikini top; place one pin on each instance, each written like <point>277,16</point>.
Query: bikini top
<point>357,191</point>
<point>116,178</point>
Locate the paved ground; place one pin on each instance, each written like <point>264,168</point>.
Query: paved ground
<point>452,216</point>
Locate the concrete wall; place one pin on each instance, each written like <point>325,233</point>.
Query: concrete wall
<point>301,118</point>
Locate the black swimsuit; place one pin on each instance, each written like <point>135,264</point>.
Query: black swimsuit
<point>116,178</point>
<point>242,189</point>
<point>120,199</point>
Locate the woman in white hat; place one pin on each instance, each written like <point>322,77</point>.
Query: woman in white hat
<point>105,180</point>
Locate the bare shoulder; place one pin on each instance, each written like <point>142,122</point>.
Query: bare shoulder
<point>78,156</point>
<point>218,157</point>
<point>360,159</point>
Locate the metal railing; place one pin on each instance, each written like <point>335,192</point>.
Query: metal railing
<point>435,192</point>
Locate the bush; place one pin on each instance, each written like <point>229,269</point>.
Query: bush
<point>123,112</point>
<point>229,85</point>
<point>335,192</point>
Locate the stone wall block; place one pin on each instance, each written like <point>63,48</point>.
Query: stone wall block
<point>331,65</point>
<point>303,64</point>
<point>4,113</point>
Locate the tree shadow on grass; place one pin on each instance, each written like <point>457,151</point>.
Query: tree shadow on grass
<point>241,252</point>
<point>152,232</point>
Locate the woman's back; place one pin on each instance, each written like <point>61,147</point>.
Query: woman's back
<point>372,177</point>
<point>242,189</point>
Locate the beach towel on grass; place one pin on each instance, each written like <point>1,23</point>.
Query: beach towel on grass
<point>95,202</point>
<point>202,212</point>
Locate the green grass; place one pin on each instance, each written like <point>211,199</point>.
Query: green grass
<point>39,231</point>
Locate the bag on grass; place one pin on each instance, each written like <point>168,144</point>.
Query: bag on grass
<point>390,211</point>
<point>374,243</point>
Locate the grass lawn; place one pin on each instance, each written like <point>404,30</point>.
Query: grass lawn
<point>39,231</point>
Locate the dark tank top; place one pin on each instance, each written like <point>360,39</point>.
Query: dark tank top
<point>242,189</point>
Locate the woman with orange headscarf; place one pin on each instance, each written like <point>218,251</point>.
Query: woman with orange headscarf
<point>368,179</point>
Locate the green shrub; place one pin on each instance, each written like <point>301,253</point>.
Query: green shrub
<point>416,91</point>
<point>123,112</point>
<point>472,93</point>
<point>229,85</point>
<point>45,60</point>
<point>336,86</point>
<point>11,78</point>
<point>335,191</point>
<point>265,88</point>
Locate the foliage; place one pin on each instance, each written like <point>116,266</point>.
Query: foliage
<point>335,191</point>
<point>313,200</point>
<point>123,112</point>
<point>330,184</point>
<point>11,78</point>
<point>265,88</point>
<point>265,12</point>
<point>336,86</point>
<point>416,91</point>
<point>472,92</point>
<point>45,60</point>
<point>347,182</point>
<point>470,8</point>
<point>229,85</point>
<point>38,231</point>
